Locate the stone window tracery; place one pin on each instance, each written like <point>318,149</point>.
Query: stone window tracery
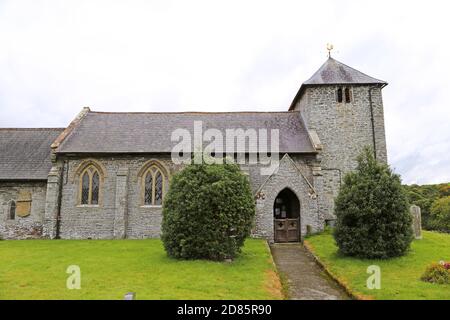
<point>153,183</point>
<point>90,186</point>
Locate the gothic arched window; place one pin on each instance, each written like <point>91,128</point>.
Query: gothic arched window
<point>90,186</point>
<point>12,210</point>
<point>153,186</point>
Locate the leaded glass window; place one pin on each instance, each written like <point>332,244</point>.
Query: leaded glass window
<point>158,188</point>
<point>148,188</point>
<point>153,183</point>
<point>85,188</point>
<point>95,188</point>
<point>90,186</point>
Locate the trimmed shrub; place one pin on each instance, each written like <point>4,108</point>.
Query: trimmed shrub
<point>436,273</point>
<point>373,219</point>
<point>208,212</point>
<point>440,214</point>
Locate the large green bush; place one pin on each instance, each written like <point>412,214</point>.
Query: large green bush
<point>208,212</point>
<point>373,219</point>
<point>440,214</point>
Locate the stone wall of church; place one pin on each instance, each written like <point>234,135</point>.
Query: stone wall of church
<point>120,212</point>
<point>100,221</point>
<point>294,173</point>
<point>344,130</point>
<point>27,223</point>
<point>328,190</point>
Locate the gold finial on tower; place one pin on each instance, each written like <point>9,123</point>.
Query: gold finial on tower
<point>329,48</point>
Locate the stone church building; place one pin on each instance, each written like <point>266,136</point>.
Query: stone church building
<point>106,174</point>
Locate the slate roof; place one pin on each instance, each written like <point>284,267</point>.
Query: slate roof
<point>106,132</point>
<point>25,153</point>
<point>335,72</point>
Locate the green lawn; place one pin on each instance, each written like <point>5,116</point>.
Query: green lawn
<point>400,277</point>
<point>36,269</point>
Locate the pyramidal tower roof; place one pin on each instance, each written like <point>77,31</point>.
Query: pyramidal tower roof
<point>335,72</point>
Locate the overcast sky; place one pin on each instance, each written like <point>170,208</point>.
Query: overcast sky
<point>58,56</point>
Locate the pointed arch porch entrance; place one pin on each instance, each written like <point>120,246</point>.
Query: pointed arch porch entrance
<point>286,214</point>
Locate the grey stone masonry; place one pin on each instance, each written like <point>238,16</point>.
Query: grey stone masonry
<point>343,129</point>
<point>30,226</point>
<point>121,212</point>
<point>52,202</point>
<point>293,176</point>
<point>320,138</point>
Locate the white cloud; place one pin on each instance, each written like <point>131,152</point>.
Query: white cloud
<point>57,57</point>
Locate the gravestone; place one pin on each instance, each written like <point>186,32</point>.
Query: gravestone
<point>416,221</point>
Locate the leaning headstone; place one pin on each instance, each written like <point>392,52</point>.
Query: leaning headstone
<point>416,221</point>
<point>130,296</point>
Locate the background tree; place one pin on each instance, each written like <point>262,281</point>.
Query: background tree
<point>440,214</point>
<point>444,189</point>
<point>373,219</point>
<point>424,196</point>
<point>208,212</point>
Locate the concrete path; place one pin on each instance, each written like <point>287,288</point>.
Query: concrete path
<point>306,280</point>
